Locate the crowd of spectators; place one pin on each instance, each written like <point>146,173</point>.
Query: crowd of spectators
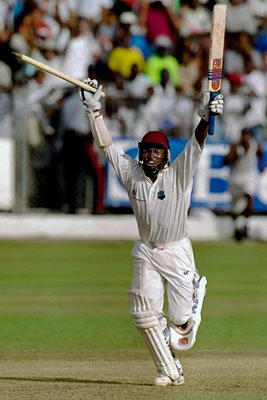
<point>151,57</point>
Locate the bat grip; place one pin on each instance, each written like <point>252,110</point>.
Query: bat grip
<point>212,117</point>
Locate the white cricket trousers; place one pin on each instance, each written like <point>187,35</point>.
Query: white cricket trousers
<point>166,266</point>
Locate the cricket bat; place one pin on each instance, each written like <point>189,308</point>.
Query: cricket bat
<point>216,56</point>
<point>53,71</point>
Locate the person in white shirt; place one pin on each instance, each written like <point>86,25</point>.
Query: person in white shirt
<point>83,47</point>
<point>159,193</point>
<point>245,161</point>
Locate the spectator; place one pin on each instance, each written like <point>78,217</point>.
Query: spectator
<point>38,132</point>
<point>92,9</point>
<point>123,56</point>
<point>22,39</point>
<point>115,123</point>
<point>48,55</point>
<point>5,100</point>
<point>158,20</point>
<point>163,59</point>
<point>236,106</point>
<point>194,19</point>
<point>42,25</point>
<point>243,158</point>
<point>105,32</point>
<point>62,16</point>
<point>52,180</point>
<point>190,67</point>
<point>240,46</point>
<point>122,33</point>
<point>160,109</point>
<point>83,46</point>
<point>79,155</point>
<point>121,6</point>
<point>9,9</point>
<point>239,17</point>
<point>129,29</point>
<point>6,50</point>
<point>258,8</point>
<point>36,91</point>
<point>137,84</point>
<point>255,89</point>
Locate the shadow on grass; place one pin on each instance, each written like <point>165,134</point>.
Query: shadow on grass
<point>68,380</point>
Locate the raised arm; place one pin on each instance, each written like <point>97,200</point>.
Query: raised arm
<point>215,106</point>
<point>93,107</point>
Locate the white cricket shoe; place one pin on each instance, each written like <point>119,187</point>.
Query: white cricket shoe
<point>164,380</point>
<point>183,340</point>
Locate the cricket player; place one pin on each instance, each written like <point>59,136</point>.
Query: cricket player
<point>163,260</point>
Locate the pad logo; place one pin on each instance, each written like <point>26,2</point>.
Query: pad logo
<point>183,341</point>
<point>161,195</point>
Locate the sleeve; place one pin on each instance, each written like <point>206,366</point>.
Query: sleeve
<point>186,163</point>
<point>99,129</point>
<point>121,162</point>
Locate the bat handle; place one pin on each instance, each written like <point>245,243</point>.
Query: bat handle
<point>212,115</point>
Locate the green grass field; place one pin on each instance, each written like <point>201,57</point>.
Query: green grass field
<point>65,331</point>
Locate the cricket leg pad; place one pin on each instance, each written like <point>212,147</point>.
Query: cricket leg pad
<point>164,380</point>
<point>184,339</point>
<point>147,322</point>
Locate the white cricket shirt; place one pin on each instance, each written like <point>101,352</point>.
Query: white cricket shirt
<point>160,208</point>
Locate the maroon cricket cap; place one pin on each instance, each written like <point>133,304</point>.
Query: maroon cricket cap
<point>156,139</point>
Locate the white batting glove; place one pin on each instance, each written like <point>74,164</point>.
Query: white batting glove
<point>215,106</point>
<point>91,100</point>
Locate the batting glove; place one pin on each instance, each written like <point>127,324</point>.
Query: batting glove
<point>91,100</point>
<point>206,106</point>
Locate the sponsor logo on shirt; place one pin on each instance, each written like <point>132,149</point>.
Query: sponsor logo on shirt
<point>134,194</point>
